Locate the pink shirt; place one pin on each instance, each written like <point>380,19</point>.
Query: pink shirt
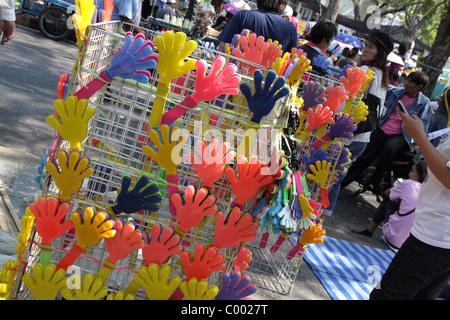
<point>398,228</point>
<point>393,124</point>
<point>294,20</point>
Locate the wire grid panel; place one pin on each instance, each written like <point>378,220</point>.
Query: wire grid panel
<point>116,135</point>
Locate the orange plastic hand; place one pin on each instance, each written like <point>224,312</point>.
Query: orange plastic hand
<point>243,259</point>
<point>321,116</point>
<point>335,97</point>
<point>354,80</point>
<point>250,179</point>
<point>92,227</point>
<point>209,160</point>
<point>237,229</point>
<point>271,54</point>
<point>197,204</point>
<point>159,246</point>
<point>253,48</point>
<point>49,215</point>
<point>202,263</point>
<point>313,235</point>
<point>127,239</point>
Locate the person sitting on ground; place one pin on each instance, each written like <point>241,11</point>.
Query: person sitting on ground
<point>264,21</point>
<point>320,38</point>
<point>398,208</point>
<point>389,138</point>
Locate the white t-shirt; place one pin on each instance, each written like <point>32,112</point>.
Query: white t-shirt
<point>7,10</point>
<point>432,215</point>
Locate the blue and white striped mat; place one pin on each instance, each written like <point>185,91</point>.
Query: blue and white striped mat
<point>347,270</point>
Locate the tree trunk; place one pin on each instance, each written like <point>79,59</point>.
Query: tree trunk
<point>332,10</point>
<point>190,10</point>
<point>440,51</point>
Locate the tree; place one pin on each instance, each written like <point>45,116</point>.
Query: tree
<point>440,51</point>
<point>332,11</point>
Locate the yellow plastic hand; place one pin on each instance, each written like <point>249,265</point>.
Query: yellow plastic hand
<point>27,225</point>
<point>7,275</point>
<point>313,235</point>
<point>72,170</point>
<point>361,113</point>
<point>320,170</point>
<point>165,147</point>
<point>72,120</point>
<point>84,11</point>
<point>303,65</point>
<point>121,295</point>
<point>45,284</point>
<point>194,290</point>
<point>90,228</point>
<point>92,289</point>
<point>366,83</point>
<point>306,208</point>
<point>156,282</point>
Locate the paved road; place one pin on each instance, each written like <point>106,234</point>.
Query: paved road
<point>29,71</point>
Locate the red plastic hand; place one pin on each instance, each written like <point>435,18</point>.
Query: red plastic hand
<point>354,80</point>
<point>243,259</point>
<point>160,246</point>
<point>107,10</point>
<point>271,54</point>
<point>127,239</point>
<point>254,49</point>
<point>237,229</point>
<point>336,96</point>
<point>209,161</point>
<point>202,263</point>
<point>220,80</point>
<point>321,116</point>
<point>250,180</point>
<point>49,214</point>
<point>197,204</point>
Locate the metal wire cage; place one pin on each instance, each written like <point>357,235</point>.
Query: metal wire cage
<point>116,135</point>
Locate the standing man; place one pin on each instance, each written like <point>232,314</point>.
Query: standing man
<point>128,11</point>
<point>264,21</point>
<point>7,21</point>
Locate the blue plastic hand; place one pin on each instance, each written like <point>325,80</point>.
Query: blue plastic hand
<point>314,156</point>
<point>235,287</point>
<point>343,127</point>
<point>321,62</point>
<point>144,195</point>
<point>264,99</point>
<point>343,161</point>
<point>133,60</point>
<point>344,71</point>
<point>312,92</point>
<point>259,206</point>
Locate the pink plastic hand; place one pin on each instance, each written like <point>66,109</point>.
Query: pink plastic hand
<point>354,80</point>
<point>197,204</point>
<point>254,49</point>
<point>336,96</point>
<point>271,54</point>
<point>202,263</point>
<point>209,160</point>
<point>250,180</point>
<point>243,259</point>
<point>127,239</point>
<point>160,246</point>
<point>321,116</point>
<point>237,229</point>
<point>49,215</point>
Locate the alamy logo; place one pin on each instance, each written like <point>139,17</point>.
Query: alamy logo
<point>374,275</point>
<point>374,21</point>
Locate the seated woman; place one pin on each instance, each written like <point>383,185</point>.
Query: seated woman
<point>398,208</point>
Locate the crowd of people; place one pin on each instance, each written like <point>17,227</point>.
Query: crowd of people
<point>416,212</point>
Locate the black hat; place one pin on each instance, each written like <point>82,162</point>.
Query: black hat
<point>382,40</point>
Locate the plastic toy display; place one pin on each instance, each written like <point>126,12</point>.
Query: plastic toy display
<point>176,176</point>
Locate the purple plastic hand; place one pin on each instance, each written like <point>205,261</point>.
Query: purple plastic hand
<point>235,286</point>
<point>343,161</point>
<point>133,60</point>
<point>343,127</point>
<point>312,94</point>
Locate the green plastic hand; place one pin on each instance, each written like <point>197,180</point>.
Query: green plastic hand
<point>92,227</point>
<point>72,120</point>
<point>72,170</point>
<point>45,284</point>
<point>92,289</point>
<point>165,147</point>
<point>194,290</point>
<point>156,281</point>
